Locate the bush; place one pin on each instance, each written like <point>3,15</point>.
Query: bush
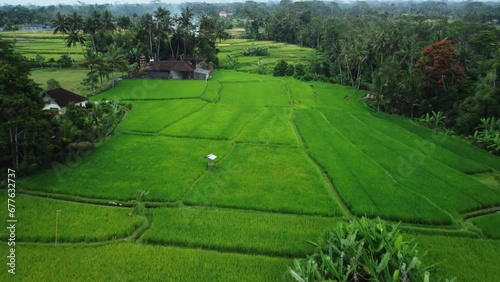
<point>300,70</point>
<point>487,135</point>
<point>280,68</point>
<point>65,61</point>
<point>256,51</point>
<point>362,250</point>
<point>290,70</point>
<point>53,84</point>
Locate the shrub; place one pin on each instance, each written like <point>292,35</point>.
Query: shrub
<point>290,70</point>
<point>300,70</point>
<point>280,68</point>
<point>487,135</point>
<point>53,84</point>
<point>362,250</point>
<point>255,51</point>
<point>65,61</point>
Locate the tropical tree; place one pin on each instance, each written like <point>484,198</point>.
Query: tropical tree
<point>74,38</point>
<point>91,26</point>
<point>147,23</point>
<point>107,22</point>
<point>24,132</point>
<point>163,28</point>
<point>61,25</point>
<point>185,23</point>
<point>95,63</point>
<point>116,59</point>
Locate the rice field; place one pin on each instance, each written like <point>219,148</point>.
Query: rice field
<point>293,158</point>
<point>76,222</point>
<point>292,54</point>
<point>236,230</point>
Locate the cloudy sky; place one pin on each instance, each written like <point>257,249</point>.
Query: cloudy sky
<point>69,2</point>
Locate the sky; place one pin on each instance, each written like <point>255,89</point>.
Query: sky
<point>75,2</point>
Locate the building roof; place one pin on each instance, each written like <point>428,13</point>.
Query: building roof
<point>63,97</point>
<point>172,65</point>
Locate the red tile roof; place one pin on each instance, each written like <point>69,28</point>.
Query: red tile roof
<point>172,65</point>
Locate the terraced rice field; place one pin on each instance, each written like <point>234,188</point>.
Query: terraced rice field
<point>293,159</point>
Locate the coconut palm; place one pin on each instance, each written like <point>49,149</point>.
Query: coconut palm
<point>115,59</point>
<point>148,24</point>
<point>107,22</point>
<point>61,25</point>
<point>163,27</point>
<point>74,38</point>
<point>185,23</point>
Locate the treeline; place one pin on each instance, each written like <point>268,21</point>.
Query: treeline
<point>112,44</point>
<point>412,59</point>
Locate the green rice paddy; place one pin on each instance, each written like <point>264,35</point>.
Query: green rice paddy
<point>293,158</point>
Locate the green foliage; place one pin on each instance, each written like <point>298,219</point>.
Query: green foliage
<point>434,121</point>
<point>365,250</point>
<point>487,135</point>
<point>300,70</point>
<point>24,131</point>
<point>281,68</point>
<point>232,62</point>
<point>256,51</point>
<point>290,70</point>
<point>65,61</point>
<point>237,231</point>
<point>52,84</point>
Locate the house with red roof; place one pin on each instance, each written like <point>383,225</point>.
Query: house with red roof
<point>178,69</point>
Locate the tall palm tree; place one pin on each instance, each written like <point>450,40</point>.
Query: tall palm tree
<point>60,23</point>
<point>94,62</point>
<point>107,22</point>
<point>148,24</point>
<point>91,25</point>
<point>74,38</point>
<point>75,22</point>
<point>185,23</point>
<point>163,27</point>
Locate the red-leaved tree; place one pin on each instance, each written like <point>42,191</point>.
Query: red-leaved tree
<point>440,66</point>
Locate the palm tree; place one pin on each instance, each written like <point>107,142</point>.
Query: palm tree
<point>94,62</point>
<point>163,27</point>
<point>185,24</point>
<point>220,32</point>
<point>148,24</point>
<point>73,39</point>
<point>107,22</point>
<point>91,25</point>
<point>75,22</point>
<point>60,23</point>
<point>116,59</point>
